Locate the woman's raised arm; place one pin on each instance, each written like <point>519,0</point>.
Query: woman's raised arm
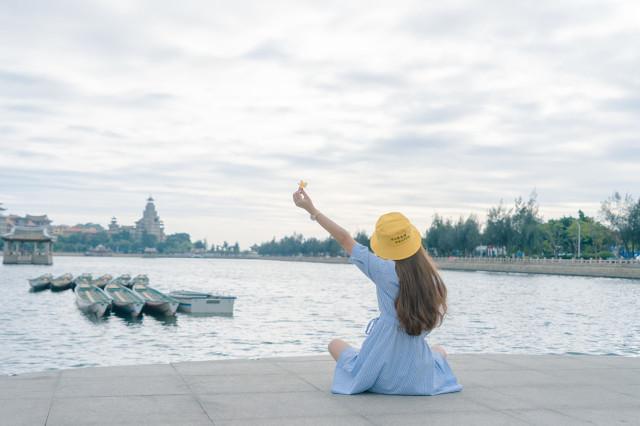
<point>302,200</point>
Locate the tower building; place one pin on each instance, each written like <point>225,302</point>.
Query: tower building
<point>150,222</point>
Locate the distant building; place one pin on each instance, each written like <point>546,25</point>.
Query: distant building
<point>87,228</point>
<point>29,220</point>
<point>28,245</point>
<point>150,222</point>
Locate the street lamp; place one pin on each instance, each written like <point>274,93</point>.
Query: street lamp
<point>578,237</point>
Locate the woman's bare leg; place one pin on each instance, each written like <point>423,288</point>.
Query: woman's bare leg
<point>336,346</point>
<point>439,349</point>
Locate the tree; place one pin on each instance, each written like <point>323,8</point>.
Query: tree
<point>176,243</point>
<point>362,238</point>
<point>499,228</point>
<point>467,234</point>
<point>619,213</point>
<point>440,237</point>
<point>526,224</point>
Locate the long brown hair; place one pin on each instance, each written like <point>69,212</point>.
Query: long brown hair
<point>421,303</point>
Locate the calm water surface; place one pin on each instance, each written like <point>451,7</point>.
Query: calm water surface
<point>296,308</point>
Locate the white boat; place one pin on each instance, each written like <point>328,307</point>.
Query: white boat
<point>139,279</point>
<point>194,302</point>
<point>91,299</point>
<point>124,279</point>
<point>156,300</point>
<point>62,282</point>
<point>124,299</point>
<point>83,278</point>
<point>102,281</point>
<point>41,282</point>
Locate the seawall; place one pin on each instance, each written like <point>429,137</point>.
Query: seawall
<point>593,268</point>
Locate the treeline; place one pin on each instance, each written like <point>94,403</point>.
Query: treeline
<point>509,231</point>
<point>520,231</point>
<point>125,242</point>
<point>298,245</point>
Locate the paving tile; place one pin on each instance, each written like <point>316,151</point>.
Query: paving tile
<point>543,416</point>
<point>273,406</point>
<point>227,367</point>
<point>129,410</point>
<point>557,397</point>
<point>321,381</point>
<point>371,404</point>
<point>498,378</point>
<point>117,385</point>
<point>630,416</point>
<point>325,357</point>
<point>319,366</point>
<point>24,411</point>
<point>621,362</point>
<point>119,371</point>
<point>493,398</point>
<point>602,376</point>
<point>300,421</point>
<point>473,362</point>
<point>28,386</point>
<point>489,418</point>
<point>247,384</point>
<point>548,362</point>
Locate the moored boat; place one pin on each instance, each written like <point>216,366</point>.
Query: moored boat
<point>102,281</point>
<point>156,300</point>
<point>124,279</point>
<point>41,282</point>
<point>203,303</point>
<point>62,282</point>
<point>83,278</point>
<point>91,299</point>
<point>139,279</point>
<point>124,299</point>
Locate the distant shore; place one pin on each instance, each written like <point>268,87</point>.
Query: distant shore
<point>591,268</point>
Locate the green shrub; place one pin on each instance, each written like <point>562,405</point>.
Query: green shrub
<point>605,255</point>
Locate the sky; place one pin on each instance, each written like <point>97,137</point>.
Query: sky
<point>218,109</point>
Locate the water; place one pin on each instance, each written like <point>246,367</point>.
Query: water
<point>296,308</point>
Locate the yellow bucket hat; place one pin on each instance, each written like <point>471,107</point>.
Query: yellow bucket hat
<point>395,238</point>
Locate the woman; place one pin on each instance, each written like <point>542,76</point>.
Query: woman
<point>394,358</point>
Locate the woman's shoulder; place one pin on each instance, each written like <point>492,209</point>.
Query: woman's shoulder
<point>362,257</point>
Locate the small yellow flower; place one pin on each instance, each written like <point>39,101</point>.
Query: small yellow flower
<point>303,184</point>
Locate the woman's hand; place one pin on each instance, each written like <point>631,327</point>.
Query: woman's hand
<point>302,200</point>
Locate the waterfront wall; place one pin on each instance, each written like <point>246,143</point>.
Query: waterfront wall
<point>592,268</point>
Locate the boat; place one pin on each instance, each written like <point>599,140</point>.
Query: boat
<point>41,282</point>
<point>62,282</point>
<point>102,280</point>
<point>124,279</point>
<point>91,299</point>
<point>203,303</point>
<point>140,279</point>
<point>83,278</point>
<point>99,250</point>
<point>156,300</point>
<point>124,299</point>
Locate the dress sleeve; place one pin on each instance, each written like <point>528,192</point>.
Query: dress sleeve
<point>378,270</point>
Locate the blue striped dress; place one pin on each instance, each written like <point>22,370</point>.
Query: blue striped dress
<point>390,361</point>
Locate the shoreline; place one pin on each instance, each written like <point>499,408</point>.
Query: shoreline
<point>628,269</point>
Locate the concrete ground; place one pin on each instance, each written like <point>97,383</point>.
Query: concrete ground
<point>498,389</point>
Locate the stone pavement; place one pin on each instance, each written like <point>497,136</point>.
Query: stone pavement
<point>498,389</point>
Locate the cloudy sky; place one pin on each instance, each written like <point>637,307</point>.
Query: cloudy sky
<point>218,109</point>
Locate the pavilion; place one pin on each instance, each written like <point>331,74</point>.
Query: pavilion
<point>28,245</point>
